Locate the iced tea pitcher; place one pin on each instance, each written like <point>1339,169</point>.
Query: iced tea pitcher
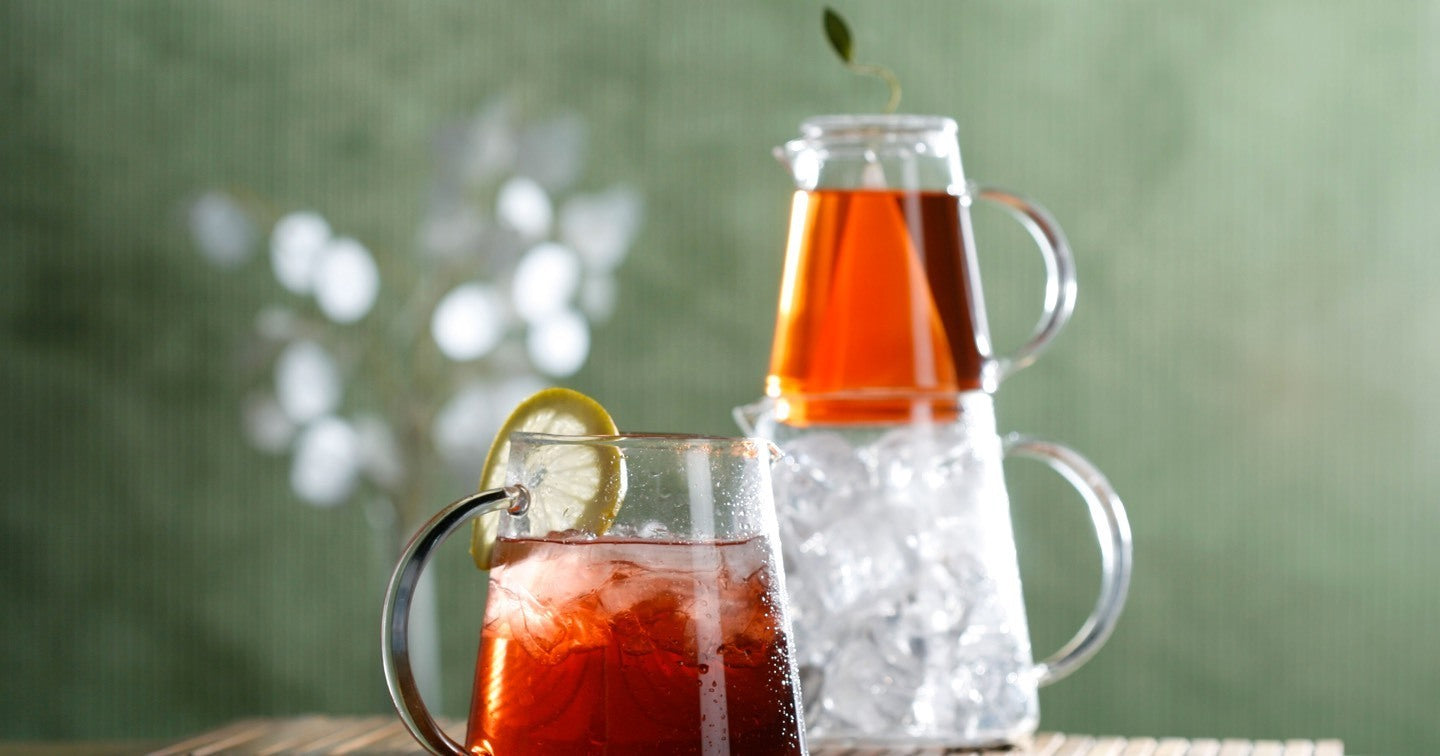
<point>910,625</point>
<point>881,285</point>
<point>660,627</point>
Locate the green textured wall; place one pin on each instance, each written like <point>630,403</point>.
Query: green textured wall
<point>1249,188</point>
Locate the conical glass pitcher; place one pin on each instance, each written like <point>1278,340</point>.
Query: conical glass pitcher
<point>910,625</point>
<point>881,286</point>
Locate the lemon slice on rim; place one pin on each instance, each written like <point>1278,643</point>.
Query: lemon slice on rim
<point>581,485</point>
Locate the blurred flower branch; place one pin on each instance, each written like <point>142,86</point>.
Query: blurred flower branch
<point>373,371</point>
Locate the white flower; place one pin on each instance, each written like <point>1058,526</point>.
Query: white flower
<point>223,231</point>
<point>540,272</point>
<point>546,279</point>
<point>597,297</point>
<point>295,248</point>
<point>346,281</point>
<point>466,425</point>
<point>524,206</point>
<point>469,322</point>
<point>553,151</point>
<point>327,461</point>
<point>266,424</point>
<point>380,456</point>
<point>601,227</point>
<point>452,233</point>
<point>307,381</point>
<point>488,144</point>
<point>559,344</point>
<point>276,323</point>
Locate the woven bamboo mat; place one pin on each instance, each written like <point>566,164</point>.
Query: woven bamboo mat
<point>386,735</point>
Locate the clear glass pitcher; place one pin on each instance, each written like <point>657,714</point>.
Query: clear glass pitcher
<point>910,625</point>
<point>881,286</point>
<point>662,631</point>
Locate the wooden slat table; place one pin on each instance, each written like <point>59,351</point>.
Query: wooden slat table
<point>386,735</point>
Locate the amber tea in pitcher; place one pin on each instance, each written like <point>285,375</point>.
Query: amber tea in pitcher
<point>881,286</point>
<point>884,294</point>
<point>678,642</point>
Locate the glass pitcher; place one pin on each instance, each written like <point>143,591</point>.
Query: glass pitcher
<point>665,632</point>
<point>910,625</point>
<point>881,286</point>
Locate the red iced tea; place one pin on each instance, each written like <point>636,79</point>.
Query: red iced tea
<point>616,646</point>
<point>880,291</point>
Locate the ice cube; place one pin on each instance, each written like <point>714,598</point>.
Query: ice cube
<point>866,558</point>
<point>818,477</point>
<point>937,603</point>
<point>548,632</point>
<point>905,594</point>
<point>870,682</point>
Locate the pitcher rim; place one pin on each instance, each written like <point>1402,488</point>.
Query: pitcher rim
<point>879,393</point>
<point>821,127</point>
<point>678,441</point>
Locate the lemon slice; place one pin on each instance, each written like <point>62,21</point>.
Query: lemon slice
<point>581,485</point>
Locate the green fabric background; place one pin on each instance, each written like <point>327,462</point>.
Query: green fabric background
<point>1249,186</point>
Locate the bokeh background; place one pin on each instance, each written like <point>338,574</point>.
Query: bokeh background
<point>1249,187</point>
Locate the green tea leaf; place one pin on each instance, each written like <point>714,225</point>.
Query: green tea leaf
<point>839,35</point>
<point>838,32</point>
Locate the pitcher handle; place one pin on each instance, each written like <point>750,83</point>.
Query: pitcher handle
<point>1060,286</point>
<point>1112,529</point>
<point>395,619</point>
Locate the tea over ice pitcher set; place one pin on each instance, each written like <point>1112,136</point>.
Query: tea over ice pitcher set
<point>894,518</point>
<point>848,575</point>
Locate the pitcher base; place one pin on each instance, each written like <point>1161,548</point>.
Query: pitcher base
<point>870,745</point>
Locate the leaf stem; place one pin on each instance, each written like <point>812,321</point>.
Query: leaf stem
<point>843,43</point>
<point>883,73</point>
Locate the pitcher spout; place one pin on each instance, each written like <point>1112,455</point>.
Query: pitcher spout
<point>751,417</point>
<point>783,158</point>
